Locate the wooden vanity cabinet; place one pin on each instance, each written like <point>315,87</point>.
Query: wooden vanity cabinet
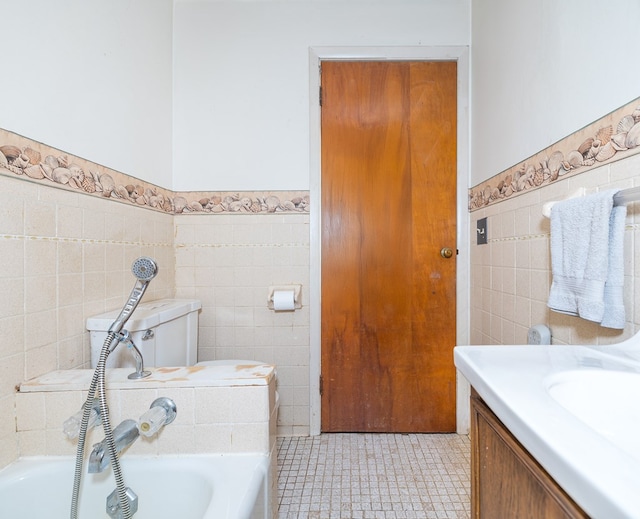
<point>506,482</point>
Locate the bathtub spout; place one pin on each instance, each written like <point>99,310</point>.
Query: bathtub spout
<point>124,435</point>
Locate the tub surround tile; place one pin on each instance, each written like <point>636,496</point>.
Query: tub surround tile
<point>30,412</point>
<point>58,406</point>
<point>38,360</point>
<point>216,437</point>
<point>227,415</point>
<point>213,406</point>
<point>32,442</point>
<point>12,302</point>
<point>186,397</point>
<point>12,327</point>
<point>69,325</point>
<point>11,371</point>
<point>8,450</point>
<point>134,403</point>
<point>249,437</point>
<point>57,443</point>
<point>176,439</point>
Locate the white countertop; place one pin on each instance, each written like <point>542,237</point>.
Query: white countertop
<point>601,477</point>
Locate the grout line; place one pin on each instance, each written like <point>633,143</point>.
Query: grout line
<point>82,240</point>
<point>629,227</point>
<point>240,245</point>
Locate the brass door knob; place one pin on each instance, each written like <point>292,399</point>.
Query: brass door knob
<point>446,252</point>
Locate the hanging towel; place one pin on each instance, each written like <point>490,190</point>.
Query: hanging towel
<point>587,242</point>
<point>614,316</point>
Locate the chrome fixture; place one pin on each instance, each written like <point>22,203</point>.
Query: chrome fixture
<point>114,510</point>
<point>144,269</point>
<point>124,337</point>
<point>124,435</point>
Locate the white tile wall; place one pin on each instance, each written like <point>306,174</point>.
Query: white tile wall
<point>64,257</point>
<point>228,262</point>
<point>511,275</point>
<point>201,426</point>
<point>67,256</point>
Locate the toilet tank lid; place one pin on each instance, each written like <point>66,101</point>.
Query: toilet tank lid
<point>147,315</point>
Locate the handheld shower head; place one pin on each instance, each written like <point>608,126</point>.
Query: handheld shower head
<point>144,269</point>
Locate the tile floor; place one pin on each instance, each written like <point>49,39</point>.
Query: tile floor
<point>374,476</point>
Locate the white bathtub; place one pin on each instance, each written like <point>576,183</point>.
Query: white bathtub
<point>207,486</point>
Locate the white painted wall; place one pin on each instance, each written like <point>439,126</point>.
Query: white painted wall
<point>96,78</point>
<point>192,95</point>
<point>543,69</point>
<point>91,78</point>
<point>241,82</point>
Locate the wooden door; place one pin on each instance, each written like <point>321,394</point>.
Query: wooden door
<point>388,208</point>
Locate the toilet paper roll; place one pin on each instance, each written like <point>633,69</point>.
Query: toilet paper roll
<point>283,300</point>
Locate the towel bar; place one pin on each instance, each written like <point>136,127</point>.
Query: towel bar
<point>622,197</point>
<point>626,196</point>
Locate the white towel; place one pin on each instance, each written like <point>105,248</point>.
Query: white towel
<point>587,246</point>
<point>614,316</point>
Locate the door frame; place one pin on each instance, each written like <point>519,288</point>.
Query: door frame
<point>460,54</point>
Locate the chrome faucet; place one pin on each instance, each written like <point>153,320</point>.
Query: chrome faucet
<point>124,435</point>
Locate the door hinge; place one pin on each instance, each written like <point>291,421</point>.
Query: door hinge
<point>320,96</point>
<point>321,385</point>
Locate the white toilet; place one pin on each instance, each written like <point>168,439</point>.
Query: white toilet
<point>165,331</point>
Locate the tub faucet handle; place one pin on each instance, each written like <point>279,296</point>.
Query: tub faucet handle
<point>71,426</point>
<point>162,412</point>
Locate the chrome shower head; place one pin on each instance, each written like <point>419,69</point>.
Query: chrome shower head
<point>144,268</point>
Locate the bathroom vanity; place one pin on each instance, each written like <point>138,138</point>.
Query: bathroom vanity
<point>506,481</point>
<point>554,430</point>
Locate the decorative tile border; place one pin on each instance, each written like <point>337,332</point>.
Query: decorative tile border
<point>36,162</point>
<point>614,137</point>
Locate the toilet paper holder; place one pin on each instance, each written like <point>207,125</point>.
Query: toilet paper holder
<point>297,291</point>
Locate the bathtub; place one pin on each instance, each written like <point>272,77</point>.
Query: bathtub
<point>208,486</point>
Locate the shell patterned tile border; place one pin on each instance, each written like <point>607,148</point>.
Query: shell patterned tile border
<point>30,160</point>
<point>613,137</point>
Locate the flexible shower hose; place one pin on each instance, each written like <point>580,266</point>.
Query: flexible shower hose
<point>97,382</point>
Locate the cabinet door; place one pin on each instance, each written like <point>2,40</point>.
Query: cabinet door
<point>506,481</point>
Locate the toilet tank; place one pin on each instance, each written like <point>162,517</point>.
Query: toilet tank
<point>165,331</point>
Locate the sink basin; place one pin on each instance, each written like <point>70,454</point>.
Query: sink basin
<point>607,401</point>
